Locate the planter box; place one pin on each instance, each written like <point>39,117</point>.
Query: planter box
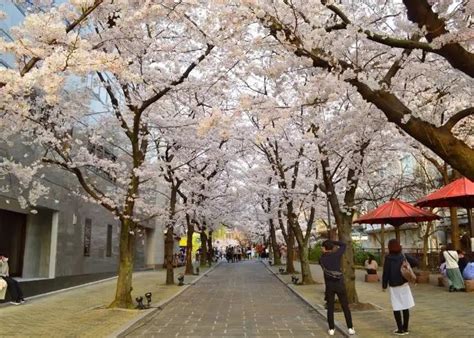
<point>372,278</point>
<point>423,277</point>
<point>469,285</point>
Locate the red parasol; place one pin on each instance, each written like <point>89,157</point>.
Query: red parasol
<point>396,213</point>
<point>459,193</point>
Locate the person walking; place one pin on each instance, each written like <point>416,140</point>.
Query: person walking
<point>455,280</point>
<point>330,262</point>
<point>13,286</point>
<point>400,292</point>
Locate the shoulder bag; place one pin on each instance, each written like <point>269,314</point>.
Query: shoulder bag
<point>407,271</point>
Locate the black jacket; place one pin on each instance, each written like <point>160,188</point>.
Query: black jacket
<point>391,269</point>
<point>332,261</point>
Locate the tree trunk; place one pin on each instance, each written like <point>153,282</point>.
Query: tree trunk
<point>210,250</point>
<point>290,257</point>
<point>455,238</point>
<point>123,293</point>
<point>189,247</point>
<point>203,248</point>
<point>426,237</point>
<point>169,246</point>
<point>276,249</point>
<point>348,260</point>
<point>307,277</point>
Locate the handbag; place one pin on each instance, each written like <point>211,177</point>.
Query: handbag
<point>407,271</point>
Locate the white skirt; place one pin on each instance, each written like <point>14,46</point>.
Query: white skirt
<point>401,297</point>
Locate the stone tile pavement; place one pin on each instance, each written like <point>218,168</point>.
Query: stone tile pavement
<point>236,300</point>
<point>81,312</point>
<point>437,312</point>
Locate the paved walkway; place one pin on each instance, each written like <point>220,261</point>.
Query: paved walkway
<point>81,312</point>
<point>437,312</point>
<point>236,300</point>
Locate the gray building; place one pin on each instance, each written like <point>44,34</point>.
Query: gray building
<point>63,240</point>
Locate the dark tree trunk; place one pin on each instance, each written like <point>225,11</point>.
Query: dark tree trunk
<point>275,247</point>
<point>345,235</point>
<point>306,276</point>
<point>290,253</point>
<point>210,250</point>
<point>169,255</point>
<point>123,292</point>
<point>189,247</point>
<point>203,257</point>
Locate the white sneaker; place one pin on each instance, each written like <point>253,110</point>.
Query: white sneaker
<point>351,331</point>
<point>331,332</point>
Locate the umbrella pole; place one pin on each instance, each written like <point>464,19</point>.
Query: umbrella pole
<point>397,234</point>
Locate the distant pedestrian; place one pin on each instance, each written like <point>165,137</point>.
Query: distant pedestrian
<point>330,262</point>
<point>400,292</point>
<point>13,286</point>
<point>455,280</point>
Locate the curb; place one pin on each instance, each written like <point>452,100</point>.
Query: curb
<point>41,295</point>
<point>130,326</point>
<point>321,312</point>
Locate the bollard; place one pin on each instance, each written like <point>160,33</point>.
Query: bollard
<point>140,304</point>
<point>180,280</point>
<point>148,298</point>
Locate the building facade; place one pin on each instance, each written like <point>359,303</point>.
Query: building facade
<point>63,240</point>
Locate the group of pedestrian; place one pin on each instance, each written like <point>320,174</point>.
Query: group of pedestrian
<point>393,278</point>
<point>453,265</point>
<point>235,253</point>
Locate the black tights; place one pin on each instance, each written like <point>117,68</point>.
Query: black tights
<point>398,318</point>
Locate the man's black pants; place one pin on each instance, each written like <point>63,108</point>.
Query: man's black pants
<point>333,289</point>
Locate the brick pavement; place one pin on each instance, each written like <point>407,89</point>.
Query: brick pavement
<point>235,300</point>
<point>437,312</point>
<point>81,312</point>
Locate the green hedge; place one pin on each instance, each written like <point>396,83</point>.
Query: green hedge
<point>315,253</point>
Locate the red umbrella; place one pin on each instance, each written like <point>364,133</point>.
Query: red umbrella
<point>396,213</point>
<point>459,193</point>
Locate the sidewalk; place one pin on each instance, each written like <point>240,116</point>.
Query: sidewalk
<point>81,311</point>
<point>437,312</point>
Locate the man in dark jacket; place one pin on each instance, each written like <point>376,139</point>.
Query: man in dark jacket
<point>330,262</point>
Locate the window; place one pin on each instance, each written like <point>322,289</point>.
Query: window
<point>108,249</point>
<point>87,237</point>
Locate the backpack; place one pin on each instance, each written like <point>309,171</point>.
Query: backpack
<point>407,271</point>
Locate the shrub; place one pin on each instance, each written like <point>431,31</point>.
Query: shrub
<point>315,253</point>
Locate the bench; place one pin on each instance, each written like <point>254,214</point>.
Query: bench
<point>372,278</point>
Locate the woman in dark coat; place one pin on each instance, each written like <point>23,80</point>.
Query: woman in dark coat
<point>400,292</point>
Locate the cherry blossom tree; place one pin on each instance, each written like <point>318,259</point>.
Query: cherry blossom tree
<point>402,57</point>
